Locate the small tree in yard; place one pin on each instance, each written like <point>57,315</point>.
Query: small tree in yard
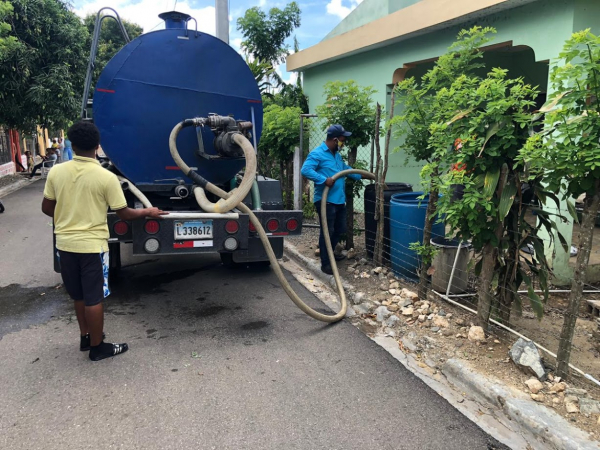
<point>350,105</point>
<point>478,131</point>
<point>567,156</point>
<point>280,136</point>
<point>419,107</point>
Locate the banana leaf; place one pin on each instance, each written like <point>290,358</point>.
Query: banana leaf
<point>507,199</point>
<point>490,182</point>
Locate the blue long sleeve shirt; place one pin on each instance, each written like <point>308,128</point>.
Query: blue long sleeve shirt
<point>321,164</point>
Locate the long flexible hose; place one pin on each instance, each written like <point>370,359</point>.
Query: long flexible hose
<point>208,206</point>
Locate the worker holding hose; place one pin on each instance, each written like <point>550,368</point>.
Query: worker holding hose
<point>77,196</point>
<point>320,166</point>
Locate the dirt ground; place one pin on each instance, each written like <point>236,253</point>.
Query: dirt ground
<point>491,357</point>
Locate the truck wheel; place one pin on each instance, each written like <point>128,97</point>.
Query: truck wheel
<point>1,207</point>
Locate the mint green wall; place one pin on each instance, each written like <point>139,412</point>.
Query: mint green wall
<point>543,29</point>
<point>527,25</point>
<point>367,11</point>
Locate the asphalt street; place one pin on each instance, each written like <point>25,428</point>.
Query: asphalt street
<point>219,359</point>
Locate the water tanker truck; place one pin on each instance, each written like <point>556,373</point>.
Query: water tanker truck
<point>180,116</point>
<point>153,83</point>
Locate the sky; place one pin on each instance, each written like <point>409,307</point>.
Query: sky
<point>318,18</point>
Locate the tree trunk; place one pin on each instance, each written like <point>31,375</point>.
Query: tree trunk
<point>586,233</point>
<point>350,202</point>
<point>429,219</point>
<point>486,296</point>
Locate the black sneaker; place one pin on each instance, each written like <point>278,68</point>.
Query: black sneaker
<point>327,269</point>
<point>86,342</point>
<point>107,350</point>
<point>339,257</point>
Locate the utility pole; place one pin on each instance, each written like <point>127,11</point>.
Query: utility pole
<point>222,16</point>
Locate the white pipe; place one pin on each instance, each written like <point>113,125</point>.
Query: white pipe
<point>453,269</point>
<point>585,375</point>
<point>190,215</point>
<point>135,191</point>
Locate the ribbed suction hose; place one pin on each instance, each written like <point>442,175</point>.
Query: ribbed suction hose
<point>237,195</point>
<point>206,205</point>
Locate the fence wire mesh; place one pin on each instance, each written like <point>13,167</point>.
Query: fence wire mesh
<point>404,263</point>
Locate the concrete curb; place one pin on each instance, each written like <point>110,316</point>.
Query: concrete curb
<point>513,409</point>
<point>312,266</point>
<point>6,190</point>
<point>538,420</point>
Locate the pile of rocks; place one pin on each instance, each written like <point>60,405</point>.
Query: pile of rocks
<point>559,393</point>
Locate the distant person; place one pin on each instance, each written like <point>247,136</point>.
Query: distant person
<point>68,151</point>
<point>77,196</point>
<point>50,156</point>
<point>321,164</point>
<point>30,162</point>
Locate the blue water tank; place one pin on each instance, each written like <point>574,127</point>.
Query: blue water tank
<point>407,219</point>
<point>159,79</point>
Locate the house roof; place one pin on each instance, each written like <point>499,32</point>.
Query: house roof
<point>414,20</point>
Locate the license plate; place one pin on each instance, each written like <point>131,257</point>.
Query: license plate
<point>197,229</point>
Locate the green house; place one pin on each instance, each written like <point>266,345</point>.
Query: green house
<point>383,41</point>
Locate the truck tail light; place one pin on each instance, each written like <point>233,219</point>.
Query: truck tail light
<point>291,225</point>
<point>121,228</point>
<point>272,225</point>
<point>232,226</point>
<point>251,227</point>
<point>151,226</point>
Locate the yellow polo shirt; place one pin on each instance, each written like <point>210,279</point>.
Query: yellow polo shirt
<point>83,191</point>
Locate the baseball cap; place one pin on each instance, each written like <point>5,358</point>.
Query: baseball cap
<point>337,131</point>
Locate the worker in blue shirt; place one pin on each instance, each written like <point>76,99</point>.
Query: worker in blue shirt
<point>321,164</point>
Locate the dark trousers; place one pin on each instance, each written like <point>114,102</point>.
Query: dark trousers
<point>36,168</point>
<point>336,221</point>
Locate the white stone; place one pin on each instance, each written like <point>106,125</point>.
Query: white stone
<point>476,334</point>
<point>534,385</point>
<point>409,294</point>
<point>392,291</point>
<point>422,318</point>
<point>382,313</point>
<point>377,270</point>
<point>440,322</point>
<point>392,321</point>
<point>558,387</point>
<point>358,298</point>
<point>407,311</point>
<point>538,397</point>
<point>526,355</point>
<point>395,285</point>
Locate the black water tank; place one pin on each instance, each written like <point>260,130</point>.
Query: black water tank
<point>371,223</point>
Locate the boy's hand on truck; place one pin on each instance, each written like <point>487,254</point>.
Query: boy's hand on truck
<point>155,213</point>
<point>134,214</point>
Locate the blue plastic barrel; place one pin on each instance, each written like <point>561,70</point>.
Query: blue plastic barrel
<point>407,218</point>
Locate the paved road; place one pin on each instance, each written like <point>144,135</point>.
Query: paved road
<point>219,359</point>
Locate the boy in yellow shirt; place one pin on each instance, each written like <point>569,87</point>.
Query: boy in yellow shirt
<point>77,196</point>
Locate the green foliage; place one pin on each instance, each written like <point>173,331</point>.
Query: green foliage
<point>281,132</point>
<point>263,72</point>
<point>350,105</point>
<point>426,252</point>
<point>41,79</point>
<point>567,153</point>
<point>8,43</point>
<point>265,35</point>
<point>111,41</point>
<point>308,207</point>
<point>490,118</point>
<point>417,99</point>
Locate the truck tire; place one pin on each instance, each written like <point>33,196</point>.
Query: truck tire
<point>1,207</point>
